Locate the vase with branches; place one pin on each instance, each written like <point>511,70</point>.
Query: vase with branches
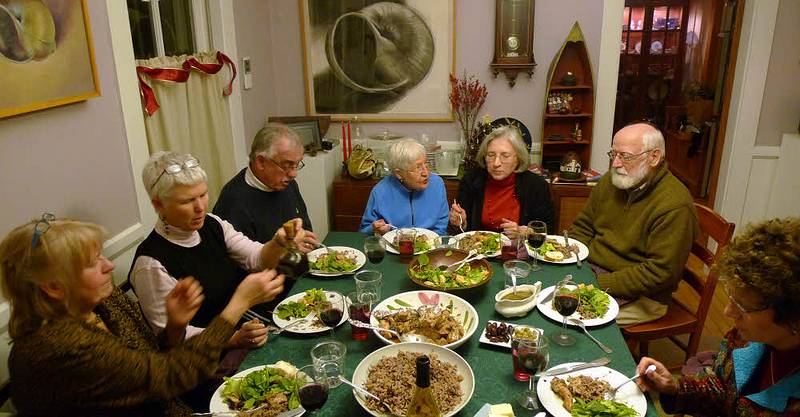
<point>467,95</point>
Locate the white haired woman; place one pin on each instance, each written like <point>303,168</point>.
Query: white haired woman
<point>411,197</point>
<point>81,347</point>
<point>501,193</point>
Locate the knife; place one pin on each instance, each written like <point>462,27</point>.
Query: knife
<point>563,369</point>
<point>549,297</point>
<point>295,412</point>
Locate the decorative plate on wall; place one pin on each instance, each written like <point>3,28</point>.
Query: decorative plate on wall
<point>510,121</point>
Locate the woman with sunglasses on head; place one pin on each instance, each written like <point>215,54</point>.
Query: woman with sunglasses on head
<point>412,196</point>
<point>501,193</point>
<point>757,370</point>
<point>79,346</point>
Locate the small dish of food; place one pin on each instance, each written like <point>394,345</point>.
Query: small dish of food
<point>445,319</point>
<point>498,333</point>
<point>429,270</point>
<point>334,261</point>
<point>517,302</point>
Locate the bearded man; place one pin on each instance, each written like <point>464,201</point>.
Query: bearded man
<point>639,224</point>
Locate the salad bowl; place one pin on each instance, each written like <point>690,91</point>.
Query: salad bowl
<point>428,270</point>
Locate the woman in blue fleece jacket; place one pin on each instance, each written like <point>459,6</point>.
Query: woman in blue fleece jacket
<point>411,197</point>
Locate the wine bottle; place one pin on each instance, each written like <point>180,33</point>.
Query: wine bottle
<point>293,263</point>
<point>422,402</point>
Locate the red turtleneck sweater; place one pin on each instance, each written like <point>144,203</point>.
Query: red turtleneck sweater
<point>499,201</point>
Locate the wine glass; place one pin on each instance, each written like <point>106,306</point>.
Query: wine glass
<point>312,391</point>
<point>375,249</point>
<point>565,302</point>
<point>331,313</point>
<point>531,357</point>
<point>537,234</point>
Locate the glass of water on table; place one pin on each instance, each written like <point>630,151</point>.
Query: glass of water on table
<point>328,360</point>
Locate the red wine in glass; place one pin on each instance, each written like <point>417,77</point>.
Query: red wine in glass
<point>565,304</point>
<point>331,316</point>
<point>362,313</point>
<point>536,240</point>
<point>531,361</point>
<point>313,396</point>
<point>376,256</point>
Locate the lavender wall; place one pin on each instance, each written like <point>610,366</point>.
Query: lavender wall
<point>71,160</point>
<point>474,52</point>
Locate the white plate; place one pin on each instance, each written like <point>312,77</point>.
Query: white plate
<point>445,355</point>
<point>309,326</point>
<point>361,259</point>
<point>583,251</point>
<point>433,238</point>
<point>504,240</point>
<point>506,345</point>
<point>218,404</point>
<point>628,394</point>
<point>463,311</point>
<point>547,309</point>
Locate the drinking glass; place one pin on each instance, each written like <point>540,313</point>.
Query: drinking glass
<point>331,313</point>
<point>537,234</point>
<point>516,271</point>
<point>328,360</point>
<point>447,242</point>
<point>368,285</point>
<point>375,249</point>
<point>531,356</point>
<point>405,243</point>
<point>361,311</point>
<point>565,302</point>
<point>311,388</point>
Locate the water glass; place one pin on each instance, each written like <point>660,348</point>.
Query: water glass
<point>368,285</point>
<point>405,243</point>
<point>361,311</point>
<point>328,359</point>
<point>517,269</point>
<point>447,242</point>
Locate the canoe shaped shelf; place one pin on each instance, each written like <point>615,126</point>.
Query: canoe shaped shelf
<point>569,103</point>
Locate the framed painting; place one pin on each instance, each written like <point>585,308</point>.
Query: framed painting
<point>46,55</point>
<point>378,60</point>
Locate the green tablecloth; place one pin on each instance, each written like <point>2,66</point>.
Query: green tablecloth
<point>494,381</point>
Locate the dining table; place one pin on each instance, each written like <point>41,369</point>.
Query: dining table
<point>491,365</point>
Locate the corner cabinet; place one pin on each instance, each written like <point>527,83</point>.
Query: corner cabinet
<point>569,103</point>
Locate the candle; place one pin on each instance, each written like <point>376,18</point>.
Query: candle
<point>344,143</point>
<point>349,139</point>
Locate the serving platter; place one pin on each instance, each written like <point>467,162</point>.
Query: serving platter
<point>583,251</point>
<point>312,325</point>
<point>389,237</point>
<point>546,307</point>
<point>628,394</point>
<point>359,256</point>
<point>504,240</point>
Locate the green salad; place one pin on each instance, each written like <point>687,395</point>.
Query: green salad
<point>334,261</point>
<point>486,243</point>
<point>593,302</point>
<point>421,244</point>
<point>601,408</point>
<point>256,387</point>
<point>309,303</point>
<point>432,276</point>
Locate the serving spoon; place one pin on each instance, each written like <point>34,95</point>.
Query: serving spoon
<point>364,391</point>
<point>405,337</point>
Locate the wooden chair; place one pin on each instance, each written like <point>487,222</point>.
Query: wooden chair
<point>681,319</point>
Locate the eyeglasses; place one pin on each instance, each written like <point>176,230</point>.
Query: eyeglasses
<point>41,227</point>
<point>289,166</point>
<point>173,169</point>
<point>624,156</point>
<point>419,169</point>
<point>742,309</point>
<point>504,157</point>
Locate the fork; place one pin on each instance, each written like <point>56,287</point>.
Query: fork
<point>231,413</point>
<point>610,395</point>
<point>292,324</point>
<point>252,315</point>
<point>460,219</point>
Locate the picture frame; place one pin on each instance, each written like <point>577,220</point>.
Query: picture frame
<point>58,69</point>
<point>351,69</point>
<point>311,129</point>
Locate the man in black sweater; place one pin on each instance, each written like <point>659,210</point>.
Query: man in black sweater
<point>262,196</point>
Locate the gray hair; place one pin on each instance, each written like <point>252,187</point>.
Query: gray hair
<point>156,167</point>
<point>653,139</point>
<point>270,134</point>
<point>513,136</point>
<point>404,153</point>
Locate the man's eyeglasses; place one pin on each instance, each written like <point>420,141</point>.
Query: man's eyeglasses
<point>173,169</point>
<point>41,227</point>
<point>742,309</point>
<point>504,157</point>
<point>624,156</point>
<point>289,166</point>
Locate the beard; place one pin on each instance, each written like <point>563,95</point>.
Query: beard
<point>627,180</point>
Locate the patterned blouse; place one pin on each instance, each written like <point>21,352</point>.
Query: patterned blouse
<point>717,391</point>
<point>71,368</point>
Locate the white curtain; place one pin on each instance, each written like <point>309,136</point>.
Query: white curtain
<point>193,118</point>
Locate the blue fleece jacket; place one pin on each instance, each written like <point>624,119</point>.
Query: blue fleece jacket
<point>391,201</point>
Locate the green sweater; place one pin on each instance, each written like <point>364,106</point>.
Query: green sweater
<point>643,236</point>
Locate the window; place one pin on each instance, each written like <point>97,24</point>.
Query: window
<point>168,27</point>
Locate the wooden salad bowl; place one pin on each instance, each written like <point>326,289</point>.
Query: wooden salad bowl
<point>442,258</point>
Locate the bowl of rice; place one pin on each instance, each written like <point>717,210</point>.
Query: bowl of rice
<point>390,373</point>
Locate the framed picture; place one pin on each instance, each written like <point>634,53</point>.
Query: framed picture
<point>378,60</point>
<point>311,129</point>
<point>46,55</point>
